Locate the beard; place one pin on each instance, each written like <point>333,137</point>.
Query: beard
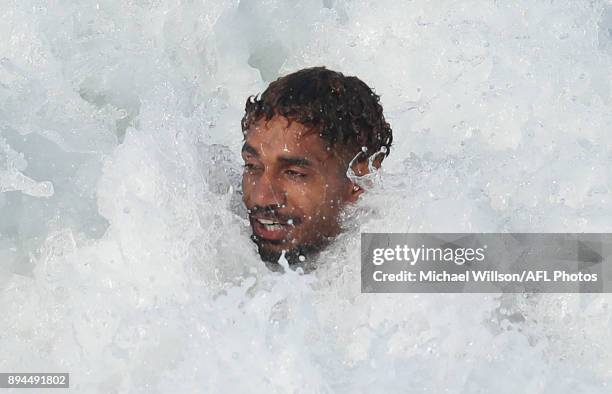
<point>300,256</point>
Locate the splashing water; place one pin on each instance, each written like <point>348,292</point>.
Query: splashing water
<point>125,256</point>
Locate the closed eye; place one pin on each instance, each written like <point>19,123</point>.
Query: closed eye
<point>250,167</point>
<point>296,174</point>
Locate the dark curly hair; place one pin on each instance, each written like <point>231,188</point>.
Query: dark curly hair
<point>343,110</point>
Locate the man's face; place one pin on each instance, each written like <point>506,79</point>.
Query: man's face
<point>294,188</point>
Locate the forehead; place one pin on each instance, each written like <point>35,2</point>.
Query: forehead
<point>278,136</point>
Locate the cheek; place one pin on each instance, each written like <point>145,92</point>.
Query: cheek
<point>316,201</point>
<point>333,195</point>
<point>302,197</point>
<point>247,187</point>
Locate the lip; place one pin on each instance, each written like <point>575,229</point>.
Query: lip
<point>279,232</point>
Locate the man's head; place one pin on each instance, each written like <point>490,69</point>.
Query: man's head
<point>301,135</point>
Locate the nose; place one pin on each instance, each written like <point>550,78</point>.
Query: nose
<point>265,190</point>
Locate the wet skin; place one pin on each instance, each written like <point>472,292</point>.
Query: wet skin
<point>294,187</point>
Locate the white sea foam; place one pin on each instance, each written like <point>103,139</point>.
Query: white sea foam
<point>124,249</point>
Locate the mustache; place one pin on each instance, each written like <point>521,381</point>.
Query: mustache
<point>272,212</point>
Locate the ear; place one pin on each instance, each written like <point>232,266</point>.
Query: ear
<point>354,193</point>
<point>360,168</point>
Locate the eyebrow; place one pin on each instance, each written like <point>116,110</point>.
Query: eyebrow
<point>287,160</point>
<point>246,148</point>
<point>296,161</point>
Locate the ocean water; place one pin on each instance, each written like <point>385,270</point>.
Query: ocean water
<point>124,250</point>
